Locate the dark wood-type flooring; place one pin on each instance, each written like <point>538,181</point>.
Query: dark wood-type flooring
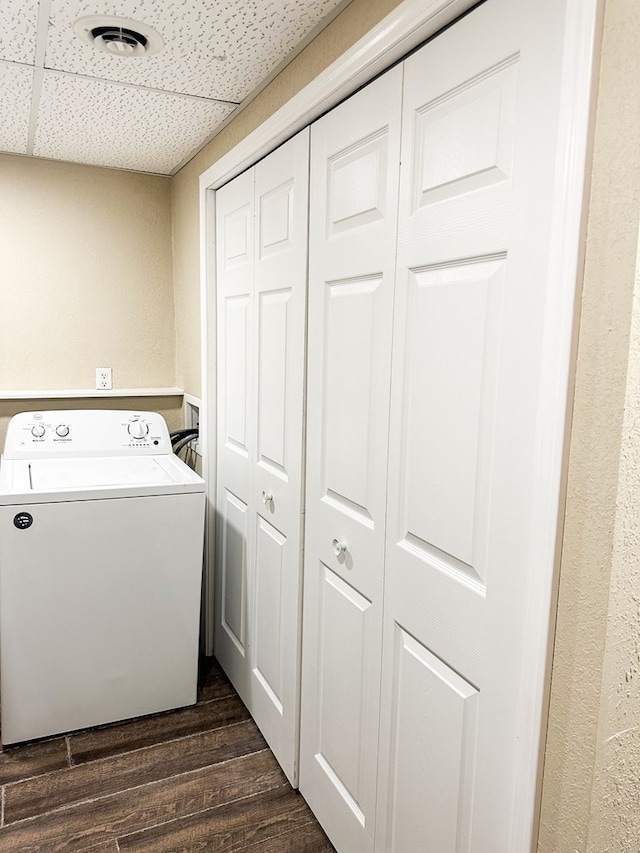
<point>196,780</point>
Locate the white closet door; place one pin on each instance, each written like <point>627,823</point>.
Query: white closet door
<point>353,218</point>
<point>261,227</point>
<point>281,194</point>
<point>476,190</point>
<point>234,276</point>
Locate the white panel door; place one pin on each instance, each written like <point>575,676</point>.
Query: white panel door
<point>281,207</point>
<point>353,218</point>
<point>261,223</point>
<point>235,245</point>
<point>476,190</point>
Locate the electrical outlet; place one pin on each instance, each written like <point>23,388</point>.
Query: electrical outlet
<point>103,379</point>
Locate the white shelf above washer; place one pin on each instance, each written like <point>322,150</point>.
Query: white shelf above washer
<point>86,393</point>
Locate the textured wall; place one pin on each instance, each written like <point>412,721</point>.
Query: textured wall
<point>85,276</point>
<point>615,803</point>
<point>592,549</point>
<point>352,24</point>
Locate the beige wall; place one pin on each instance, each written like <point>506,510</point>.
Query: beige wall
<point>614,816</point>
<point>589,796</point>
<point>353,23</point>
<point>86,276</point>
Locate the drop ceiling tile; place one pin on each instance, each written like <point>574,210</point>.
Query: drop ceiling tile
<point>18,26</point>
<point>16,84</point>
<point>94,122</point>
<point>253,36</point>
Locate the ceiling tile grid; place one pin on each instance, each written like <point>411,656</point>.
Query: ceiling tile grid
<point>15,110</point>
<point>63,99</point>
<point>18,25</point>
<point>108,124</point>
<point>220,49</point>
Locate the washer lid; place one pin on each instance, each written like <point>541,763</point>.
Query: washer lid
<point>86,473</point>
<point>94,478</point>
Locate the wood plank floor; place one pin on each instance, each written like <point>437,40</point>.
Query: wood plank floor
<point>196,780</point>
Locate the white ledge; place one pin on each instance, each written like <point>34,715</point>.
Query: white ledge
<point>87,393</point>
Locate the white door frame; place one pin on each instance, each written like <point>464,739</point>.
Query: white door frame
<point>411,23</point>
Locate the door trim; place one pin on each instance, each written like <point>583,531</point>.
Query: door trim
<point>411,23</point>
<point>582,29</point>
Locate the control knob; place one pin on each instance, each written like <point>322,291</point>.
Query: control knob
<point>37,430</point>
<point>62,430</point>
<point>138,429</point>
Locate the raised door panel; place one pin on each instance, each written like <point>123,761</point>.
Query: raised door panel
<point>235,413</point>
<point>346,703</point>
<point>451,330</point>
<point>476,183</point>
<point>432,753</point>
<point>270,628</point>
<point>233,570</point>
<point>281,237</point>
<point>353,217</point>
<point>464,137</point>
<point>235,440</point>
<point>353,312</point>
<point>460,134</point>
<point>357,187</point>
<point>275,320</point>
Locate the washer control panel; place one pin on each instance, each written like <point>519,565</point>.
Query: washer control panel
<point>90,432</point>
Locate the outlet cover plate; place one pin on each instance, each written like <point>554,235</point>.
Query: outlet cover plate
<point>103,379</point>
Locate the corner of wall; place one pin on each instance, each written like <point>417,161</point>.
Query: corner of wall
<point>582,664</point>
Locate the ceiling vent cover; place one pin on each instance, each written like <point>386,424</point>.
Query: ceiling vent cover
<point>122,37</point>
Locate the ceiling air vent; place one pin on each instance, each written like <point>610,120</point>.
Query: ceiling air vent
<point>119,40</point>
<point>118,36</point>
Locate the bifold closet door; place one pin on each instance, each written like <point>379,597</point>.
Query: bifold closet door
<point>262,227</point>
<point>353,216</point>
<point>479,141</point>
<point>282,185</point>
<point>235,244</point>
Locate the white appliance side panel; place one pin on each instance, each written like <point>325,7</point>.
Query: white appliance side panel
<point>99,612</point>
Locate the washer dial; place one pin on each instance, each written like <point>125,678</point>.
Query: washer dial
<point>138,429</point>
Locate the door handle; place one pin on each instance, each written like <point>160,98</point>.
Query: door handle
<point>338,547</point>
<point>267,497</point>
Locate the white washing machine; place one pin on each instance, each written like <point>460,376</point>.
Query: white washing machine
<point>101,541</point>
